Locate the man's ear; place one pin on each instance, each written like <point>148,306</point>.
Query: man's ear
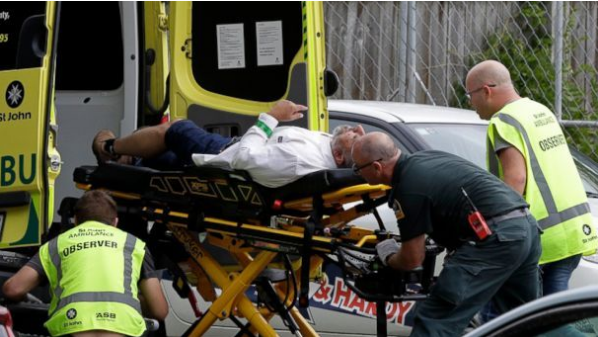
<point>338,156</point>
<point>377,166</point>
<point>115,222</point>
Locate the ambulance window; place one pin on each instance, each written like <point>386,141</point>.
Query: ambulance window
<point>90,46</point>
<point>16,19</point>
<point>234,70</point>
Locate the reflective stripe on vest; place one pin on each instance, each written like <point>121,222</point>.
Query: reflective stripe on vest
<point>126,298</point>
<point>554,216</point>
<point>53,252</point>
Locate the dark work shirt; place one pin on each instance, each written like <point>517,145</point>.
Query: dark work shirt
<point>427,187</point>
<point>147,268</point>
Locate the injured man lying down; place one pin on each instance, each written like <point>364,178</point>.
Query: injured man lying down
<point>273,156</point>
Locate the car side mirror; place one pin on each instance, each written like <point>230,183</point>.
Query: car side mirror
<point>331,82</point>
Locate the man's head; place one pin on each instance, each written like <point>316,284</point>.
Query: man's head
<point>489,88</point>
<point>374,156</point>
<point>343,138</point>
<point>96,205</point>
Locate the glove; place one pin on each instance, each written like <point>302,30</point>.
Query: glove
<point>386,248</point>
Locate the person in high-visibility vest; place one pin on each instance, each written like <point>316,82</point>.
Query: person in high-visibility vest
<point>528,151</point>
<point>95,272</point>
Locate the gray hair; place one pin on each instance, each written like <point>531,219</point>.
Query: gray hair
<point>339,131</point>
<point>337,146</point>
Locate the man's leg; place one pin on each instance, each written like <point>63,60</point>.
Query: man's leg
<point>460,291</point>
<point>488,313</point>
<point>182,137</point>
<point>518,289</point>
<point>468,281</point>
<point>185,138</point>
<point>524,284</point>
<point>556,275</point>
<point>475,274</point>
<point>145,143</point>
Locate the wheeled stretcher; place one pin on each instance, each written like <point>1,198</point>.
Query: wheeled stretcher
<point>203,207</point>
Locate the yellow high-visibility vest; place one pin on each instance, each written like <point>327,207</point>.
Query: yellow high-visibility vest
<point>553,188</point>
<point>93,270</point>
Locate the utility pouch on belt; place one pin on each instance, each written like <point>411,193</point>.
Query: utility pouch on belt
<point>476,220</point>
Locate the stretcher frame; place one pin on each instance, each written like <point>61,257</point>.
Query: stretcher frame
<point>311,226</point>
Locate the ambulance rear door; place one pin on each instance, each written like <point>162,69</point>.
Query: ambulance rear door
<point>232,60</point>
<point>29,162</point>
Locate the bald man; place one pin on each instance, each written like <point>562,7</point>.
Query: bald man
<point>528,151</point>
<point>428,199</point>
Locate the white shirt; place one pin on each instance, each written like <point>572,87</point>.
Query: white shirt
<point>289,154</point>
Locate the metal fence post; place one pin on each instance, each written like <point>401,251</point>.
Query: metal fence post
<point>557,53</point>
<point>402,61</point>
<point>411,44</point>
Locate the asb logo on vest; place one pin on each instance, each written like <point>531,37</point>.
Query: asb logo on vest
<point>71,313</point>
<point>105,316</point>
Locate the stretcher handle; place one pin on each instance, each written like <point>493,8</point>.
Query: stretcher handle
<point>365,239</point>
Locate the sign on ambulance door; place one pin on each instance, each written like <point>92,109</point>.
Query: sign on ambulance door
<point>28,160</point>
<point>232,60</point>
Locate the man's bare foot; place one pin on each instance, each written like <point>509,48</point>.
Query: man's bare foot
<point>102,156</point>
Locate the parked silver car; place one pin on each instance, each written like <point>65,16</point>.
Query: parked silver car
<point>416,127</point>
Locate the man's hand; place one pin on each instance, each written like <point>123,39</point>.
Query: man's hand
<point>387,248</point>
<point>286,111</point>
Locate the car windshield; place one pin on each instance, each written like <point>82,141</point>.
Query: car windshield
<point>469,141</point>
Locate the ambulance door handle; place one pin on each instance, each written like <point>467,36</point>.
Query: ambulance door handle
<point>33,39</point>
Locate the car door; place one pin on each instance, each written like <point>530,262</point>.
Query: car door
<point>29,162</point>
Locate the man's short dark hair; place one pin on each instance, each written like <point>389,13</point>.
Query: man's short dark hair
<point>96,205</point>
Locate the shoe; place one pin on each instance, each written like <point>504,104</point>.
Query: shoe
<point>98,147</point>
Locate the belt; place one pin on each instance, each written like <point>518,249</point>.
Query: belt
<point>514,214</point>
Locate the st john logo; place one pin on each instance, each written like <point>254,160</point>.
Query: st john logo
<point>71,313</point>
<point>587,230</point>
<point>15,93</point>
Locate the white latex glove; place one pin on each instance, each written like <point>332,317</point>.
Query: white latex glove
<point>387,248</point>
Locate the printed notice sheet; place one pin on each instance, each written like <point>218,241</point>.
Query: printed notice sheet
<point>231,46</point>
<point>269,43</point>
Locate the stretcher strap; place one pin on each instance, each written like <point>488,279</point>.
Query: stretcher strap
<point>310,227</point>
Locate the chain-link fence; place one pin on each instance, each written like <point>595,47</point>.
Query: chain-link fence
<point>421,51</point>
